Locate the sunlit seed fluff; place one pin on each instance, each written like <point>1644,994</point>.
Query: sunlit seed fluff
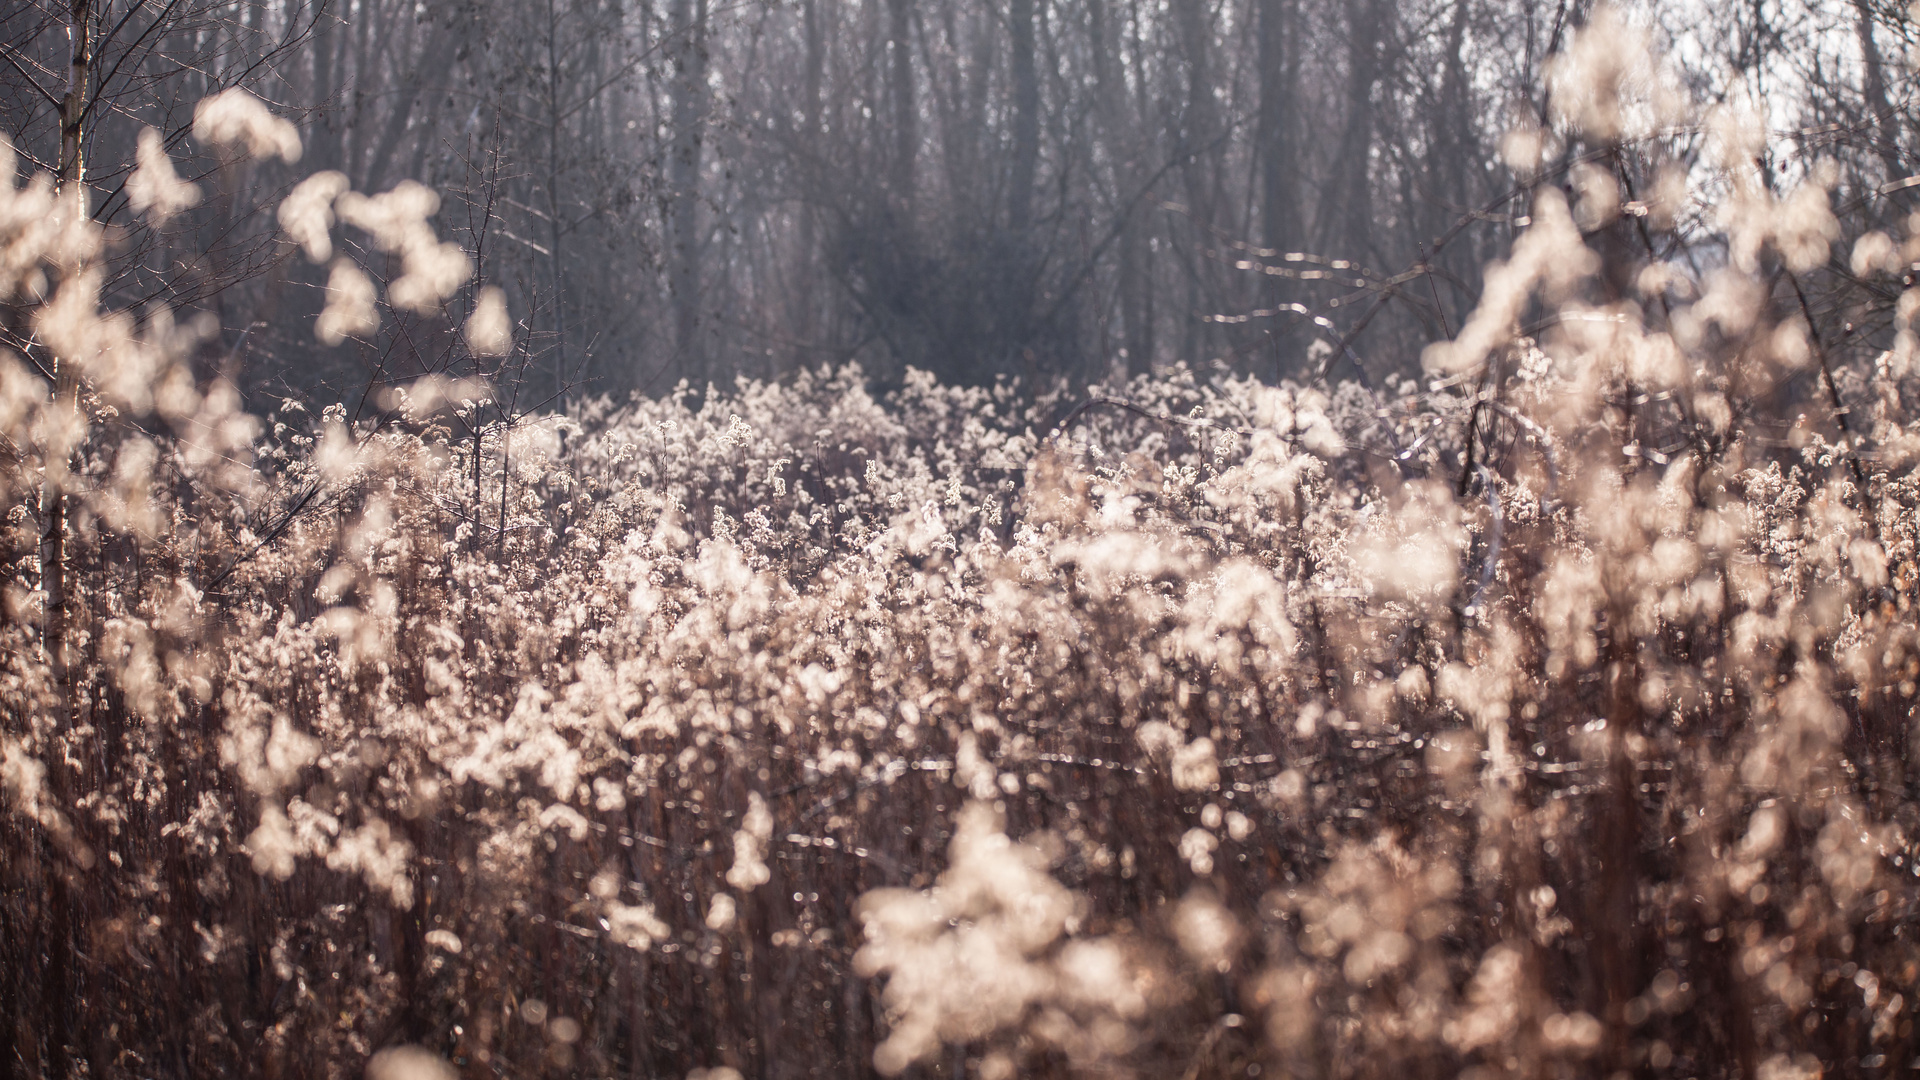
<point>350,310</point>
<point>306,214</point>
<point>154,188</point>
<point>236,118</point>
<point>489,330</point>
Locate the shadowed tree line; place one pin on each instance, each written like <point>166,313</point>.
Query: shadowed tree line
<point>684,189</point>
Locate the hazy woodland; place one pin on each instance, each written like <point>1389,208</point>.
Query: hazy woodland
<point>959,538</point>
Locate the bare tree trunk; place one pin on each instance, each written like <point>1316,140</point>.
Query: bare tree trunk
<point>906,135</point>
<point>1122,137</point>
<point>1198,132</point>
<point>1026,118</point>
<point>433,59</point>
<point>554,120</point>
<point>1279,151</point>
<point>56,993</point>
<point>816,63</point>
<point>1453,124</point>
<point>323,141</point>
<point>803,315</point>
<point>1278,146</point>
<point>1885,119</point>
<point>1350,224</point>
<point>1620,953</point>
<point>1452,143</point>
<point>1136,297</point>
<point>1134,252</point>
<point>53,507</point>
<point>365,80</point>
<point>689,120</point>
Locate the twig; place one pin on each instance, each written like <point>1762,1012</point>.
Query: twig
<point>1093,400</point>
<point>1839,407</point>
<point>286,520</point>
<point>1219,1028</point>
<point>1547,450</point>
<point>1495,533</point>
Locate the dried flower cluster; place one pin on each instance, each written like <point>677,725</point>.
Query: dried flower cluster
<point>1544,719</point>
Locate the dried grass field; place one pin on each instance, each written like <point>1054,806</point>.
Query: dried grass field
<point>1545,713</point>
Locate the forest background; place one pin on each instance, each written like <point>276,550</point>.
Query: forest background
<point>692,190</point>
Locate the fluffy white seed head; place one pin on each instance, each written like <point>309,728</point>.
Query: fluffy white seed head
<point>306,214</point>
<point>235,118</point>
<point>154,188</point>
<point>489,328</point>
<point>350,310</point>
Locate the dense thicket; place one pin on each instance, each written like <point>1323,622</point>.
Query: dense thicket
<point>1539,701</point>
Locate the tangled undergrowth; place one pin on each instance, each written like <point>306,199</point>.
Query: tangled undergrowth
<point>1550,716</point>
